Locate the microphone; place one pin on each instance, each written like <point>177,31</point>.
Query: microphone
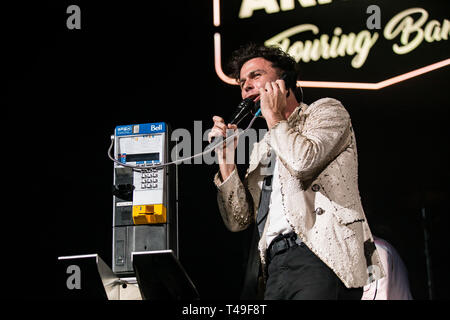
<point>244,108</point>
<point>247,105</point>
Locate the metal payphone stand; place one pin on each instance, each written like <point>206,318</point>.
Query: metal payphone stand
<point>145,227</point>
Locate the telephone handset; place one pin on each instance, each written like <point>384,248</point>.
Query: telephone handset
<point>247,105</point>
<point>290,81</point>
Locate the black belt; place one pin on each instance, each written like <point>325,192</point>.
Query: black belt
<point>281,244</point>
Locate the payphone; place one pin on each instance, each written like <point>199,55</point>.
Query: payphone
<point>144,208</point>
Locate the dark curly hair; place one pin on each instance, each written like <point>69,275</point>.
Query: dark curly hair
<point>280,60</point>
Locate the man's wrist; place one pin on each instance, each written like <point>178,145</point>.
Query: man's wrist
<point>274,121</point>
<point>226,170</point>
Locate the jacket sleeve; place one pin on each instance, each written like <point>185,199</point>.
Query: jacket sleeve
<point>234,201</point>
<point>325,134</point>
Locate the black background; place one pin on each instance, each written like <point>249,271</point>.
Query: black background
<point>134,63</point>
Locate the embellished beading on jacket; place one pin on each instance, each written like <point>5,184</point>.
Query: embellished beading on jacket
<point>318,174</point>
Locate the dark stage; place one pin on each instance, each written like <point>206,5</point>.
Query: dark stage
<point>135,63</point>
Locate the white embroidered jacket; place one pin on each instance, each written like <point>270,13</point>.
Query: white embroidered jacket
<point>318,173</point>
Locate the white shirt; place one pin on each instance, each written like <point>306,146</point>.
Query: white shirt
<point>276,218</point>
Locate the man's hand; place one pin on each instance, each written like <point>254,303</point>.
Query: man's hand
<point>225,153</point>
<point>273,102</point>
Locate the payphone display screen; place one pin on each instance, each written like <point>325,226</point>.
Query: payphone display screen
<point>154,156</point>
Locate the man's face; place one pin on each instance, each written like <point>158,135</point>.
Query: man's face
<point>254,75</point>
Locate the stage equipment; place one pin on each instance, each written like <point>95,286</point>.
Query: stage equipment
<point>144,208</point>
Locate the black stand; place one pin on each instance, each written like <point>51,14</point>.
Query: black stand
<point>161,276</point>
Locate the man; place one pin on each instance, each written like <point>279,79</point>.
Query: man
<point>314,241</point>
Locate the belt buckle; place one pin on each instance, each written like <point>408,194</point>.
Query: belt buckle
<point>285,247</point>
<point>272,252</point>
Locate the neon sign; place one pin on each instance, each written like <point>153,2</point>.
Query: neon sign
<point>404,29</point>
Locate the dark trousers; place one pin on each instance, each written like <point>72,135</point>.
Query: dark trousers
<point>298,274</point>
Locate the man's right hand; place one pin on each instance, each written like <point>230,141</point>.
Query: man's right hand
<point>225,153</point>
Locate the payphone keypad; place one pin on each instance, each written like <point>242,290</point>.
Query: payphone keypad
<point>149,179</point>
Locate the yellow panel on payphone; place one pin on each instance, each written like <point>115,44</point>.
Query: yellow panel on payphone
<point>149,214</point>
